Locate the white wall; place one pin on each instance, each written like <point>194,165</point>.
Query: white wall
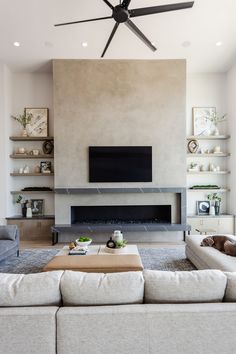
<point>231,102</point>
<point>206,90</point>
<point>18,91</point>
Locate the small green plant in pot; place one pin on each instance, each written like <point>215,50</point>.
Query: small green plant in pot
<point>215,199</point>
<point>23,119</point>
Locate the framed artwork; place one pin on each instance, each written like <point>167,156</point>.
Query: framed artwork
<point>37,206</point>
<point>45,167</point>
<point>203,207</point>
<point>202,120</point>
<point>38,126</point>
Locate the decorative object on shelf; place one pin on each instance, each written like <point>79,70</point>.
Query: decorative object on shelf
<point>45,167</point>
<point>21,170</point>
<point>21,150</point>
<point>37,206</point>
<point>37,169</point>
<point>26,169</point>
<point>193,146</point>
<point>38,126</point>
<point>202,168</point>
<point>24,120</point>
<point>217,150</point>
<point>211,167</point>
<point>35,152</point>
<point>203,207</point>
<point>48,147</point>
<point>206,120</point>
<point>215,200</point>
<point>193,167</point>
<point>20,200</point>
<point>29,210</point>
<point>202,124</point>
<point>205,186</point>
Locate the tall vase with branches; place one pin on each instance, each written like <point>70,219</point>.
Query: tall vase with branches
<point>23,119</point>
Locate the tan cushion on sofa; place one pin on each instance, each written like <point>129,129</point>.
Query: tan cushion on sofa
<point>230,292</point>
<point>42,289</point>
<point>96,263</point>
<point>184,287</point>
<point>80,289</point>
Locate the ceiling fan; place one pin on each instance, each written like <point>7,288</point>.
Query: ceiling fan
<point>121,14</point>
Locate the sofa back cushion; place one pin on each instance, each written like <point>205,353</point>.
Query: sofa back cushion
<point>8,232</point>
<point>184,287</point>
<point>230,292</point>
<point>84,289</point>
<point>42,289</point>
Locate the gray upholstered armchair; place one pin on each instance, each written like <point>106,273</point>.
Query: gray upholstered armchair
<point>9,241</point>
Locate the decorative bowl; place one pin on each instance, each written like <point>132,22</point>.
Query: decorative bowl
<point>83,243</point>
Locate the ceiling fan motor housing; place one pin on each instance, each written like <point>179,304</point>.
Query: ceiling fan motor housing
<point>120,14</point>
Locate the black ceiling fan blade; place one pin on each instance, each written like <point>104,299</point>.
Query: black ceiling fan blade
<point>110,38</point>
<point>125,3</point>
<point>109,4</point>
<point>159,9</point>
<point>74,22</point>
<point>139,34</point>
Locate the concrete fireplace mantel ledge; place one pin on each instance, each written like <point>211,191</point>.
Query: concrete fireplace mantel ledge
<point>119,190</point>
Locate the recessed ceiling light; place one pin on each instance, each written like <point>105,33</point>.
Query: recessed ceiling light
<point>84,44</point>
<point>186,44</point>
<point>219,44</point>
<point>16,44</point>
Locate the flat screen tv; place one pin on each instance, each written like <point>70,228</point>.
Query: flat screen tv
<point>120,164</point>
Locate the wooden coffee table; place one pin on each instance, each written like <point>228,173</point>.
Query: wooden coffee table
<point>97,261</point>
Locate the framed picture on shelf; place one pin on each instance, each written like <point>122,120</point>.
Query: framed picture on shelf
<point>203,207</point>
<point>38,126</point>
<point>37,206</point>
<point>45,167</point>
<point>202,121</point>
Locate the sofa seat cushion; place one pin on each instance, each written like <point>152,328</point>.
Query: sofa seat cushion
<point>28,330</point>
<point>184,287</point>
<point>83,289</point>
<point>208,257</point>
<point>42,289</point>
<point>6,246</point>
<point>8,232</point>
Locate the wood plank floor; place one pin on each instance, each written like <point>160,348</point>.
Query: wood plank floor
<point>46,244</point>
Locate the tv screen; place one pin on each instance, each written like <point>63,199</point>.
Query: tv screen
<point>120,164</point>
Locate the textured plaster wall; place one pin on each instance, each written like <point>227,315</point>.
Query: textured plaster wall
<point>118,102</point>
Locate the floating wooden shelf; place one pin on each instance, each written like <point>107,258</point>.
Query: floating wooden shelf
<point>31,192</point>
<point>30,138</point>
<point>208,172</point>
<point>25,156</point>
<point>208,155</point>
<point>209,137</point>
<point>32,174</point>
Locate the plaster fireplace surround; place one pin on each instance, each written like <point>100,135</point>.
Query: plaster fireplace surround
<point>120,103</point>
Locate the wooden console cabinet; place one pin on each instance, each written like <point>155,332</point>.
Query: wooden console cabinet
<point>223,224</point>
<point>33,229</point>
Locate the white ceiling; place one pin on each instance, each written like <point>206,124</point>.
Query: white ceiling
<point>31,23</point>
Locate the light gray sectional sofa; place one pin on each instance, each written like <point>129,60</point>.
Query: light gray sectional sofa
<point>153,312</point>
<point>9,241</point>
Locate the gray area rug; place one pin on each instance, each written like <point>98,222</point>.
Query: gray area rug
<point>33,261</point>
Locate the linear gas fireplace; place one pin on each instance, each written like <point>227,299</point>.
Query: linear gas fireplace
<point>121,214</point>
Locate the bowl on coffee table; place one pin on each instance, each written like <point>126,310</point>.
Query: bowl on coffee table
<point>83,242</point>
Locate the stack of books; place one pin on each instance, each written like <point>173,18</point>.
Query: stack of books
<point>78,252</point>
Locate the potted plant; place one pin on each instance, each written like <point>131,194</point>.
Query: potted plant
<point>215,199</point>
<point>20,200</point>
<point>23,119</point>
<point>215,120</point>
